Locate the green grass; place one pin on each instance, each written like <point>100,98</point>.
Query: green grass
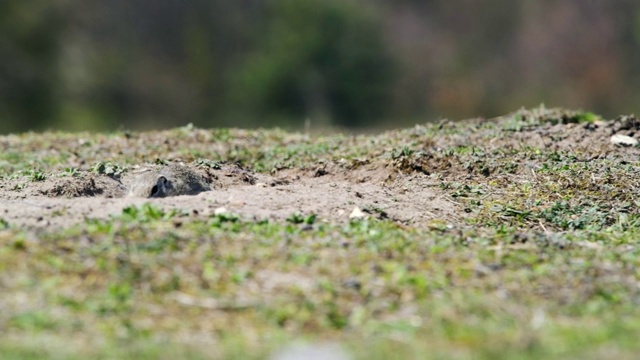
<point>543,263</point>
<point>482,293</point>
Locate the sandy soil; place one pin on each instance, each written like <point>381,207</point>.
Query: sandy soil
<point>330,194</point>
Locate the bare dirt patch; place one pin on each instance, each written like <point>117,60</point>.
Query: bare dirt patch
<point>331,194</point>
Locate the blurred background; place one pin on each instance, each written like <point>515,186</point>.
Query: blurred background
<point>104,65</point>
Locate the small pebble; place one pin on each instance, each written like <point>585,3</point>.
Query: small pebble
<point>357,213</point>
<point>220,211</point>
<point>623,140</point>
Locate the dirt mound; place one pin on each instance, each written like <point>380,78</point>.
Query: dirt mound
<point>329,191</point>
<point>410,176</point>
<point>82,187</point>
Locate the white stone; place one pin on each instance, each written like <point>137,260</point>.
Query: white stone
<point>623,140</point>
<point>357,213</point>
<point>220,210</point>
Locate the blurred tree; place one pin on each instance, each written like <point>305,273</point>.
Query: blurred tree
<point>149,64</point>
<point>94,64</point>
<point>323,59</point>
<point>29,37</point>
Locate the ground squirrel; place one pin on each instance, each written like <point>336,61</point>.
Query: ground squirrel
<point>170,180</point>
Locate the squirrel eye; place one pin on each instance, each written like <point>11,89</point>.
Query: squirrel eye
<point>154,190</point>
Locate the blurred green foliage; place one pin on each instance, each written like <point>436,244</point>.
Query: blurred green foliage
<point>319,59</point>
<point>90,64</point>
<point>30,32</point>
